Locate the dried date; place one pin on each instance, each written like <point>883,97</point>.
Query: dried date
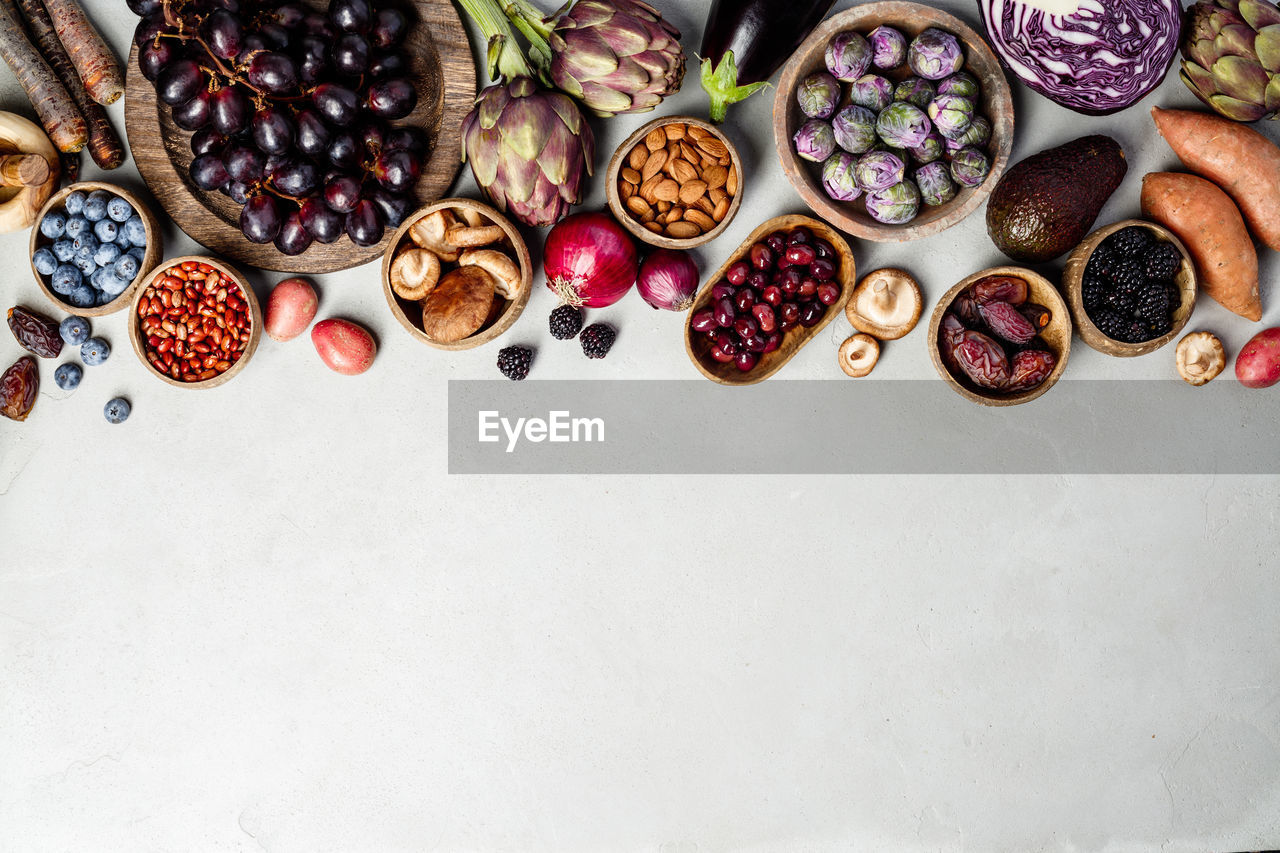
<point>1030,368</point>
<point>35,332</point>
<point>1038,315</point>
<point>1006,322</point>
<point>999,288</point>
<point>967,310</point>
<point>18,388</point>
<point>950,334</point>
<point>983,360</point>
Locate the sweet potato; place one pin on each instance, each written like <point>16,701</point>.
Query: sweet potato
<point>1210,225</point>
<point>1235,157</point>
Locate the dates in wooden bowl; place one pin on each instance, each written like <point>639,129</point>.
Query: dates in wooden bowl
<point>1001,337</point>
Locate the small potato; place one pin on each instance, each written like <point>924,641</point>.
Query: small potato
<point>1258,365</point>
<point>343,346</point>
<point>290,309</point>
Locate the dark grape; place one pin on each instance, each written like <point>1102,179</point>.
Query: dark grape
<point>389,27</point>
<point>316,24</point>
<point>391,99</point>
<point>273,163</point>
<point>208,172</point>
<point>260,219</point>
<point>276,35</point>
<point>338,105</point>
<point>230,110</point>
<point>290,16</point>
<point>344,151</point>
<point>144,8</point>
<point>364,224</point>
<point>155,55</point>
<point>148,29</point>
<point>312,70</point>
<point>322,223</point>
<point>372,134</point>
<point>207,141</point>
<point>351,16</point>
<point>315,47</point>
<point>293,238</point>
<point>273,131</point>
<point>229,5</point>
<point>394,207</point>
<point>250,45</point>
<point>351,54</point>
<point>407,138</point>
<point>397,170</point>
<point>195,113</point>
<point>342,193</point>
<point>273,73</point>
<point>245,164</point>
<point>296,178</point>
<point>393,63</point>
<point>313,133</point>
<point>237,192</point>
<point>179,82</point>
<point>223,33</point>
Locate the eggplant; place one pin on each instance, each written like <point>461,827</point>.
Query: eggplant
<point>746,41</point>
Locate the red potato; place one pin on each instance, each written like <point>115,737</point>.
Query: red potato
<point>290,309</point>
<point>1258,365</point>
<point>343,346</point>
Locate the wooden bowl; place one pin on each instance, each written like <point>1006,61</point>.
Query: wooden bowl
<point>151,256</point>
<point>255,315</point>
<point>1073,282</point>
<point>1056,336</point>
<point>619,208</point>
<point>410,313</point>
<point>442,71</point>
<point>696,344</point>
<point>911,19</point>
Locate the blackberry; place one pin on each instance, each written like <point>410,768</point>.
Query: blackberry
<point>1102,262</point>
<point>1129,242</point>
<point>1161,261</point>
<point>1163,326</point>
<point>1135,332</point>
<point>1110,323</point>
<point>1121,303</point>
<point>1092,291</point>
<point>514,362</point>
<point>597,339</point>
<point>1153,303</point>
<point>1128,278</point>
<point>566,322</point>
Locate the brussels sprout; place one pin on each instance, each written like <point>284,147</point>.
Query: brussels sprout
<point>930,150</point>
<point>978,135</point>
<point>848,56</point>
<point>818,95</point>
<point>837,176</point>
<point>902,125</point>
<point>936,186</point>
<point>896,205</point>
<point>888,46</point>
<point>879,170</point>
<point>915,90</point>
<point>970,167</point>
<point>815,140</point>
<point>961,83</point>
<point>871,91</point>
<point>951,115</point>
<point>935,54</point>
<point>855,129</point>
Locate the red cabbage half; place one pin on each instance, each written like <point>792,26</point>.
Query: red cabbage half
<point>1103,57</point>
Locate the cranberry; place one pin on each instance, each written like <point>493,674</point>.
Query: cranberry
<point>789,281</point>
<point>787,325</point>
<point>704,321</point>
<point>765,317</point>
<point>822,269</point>
<point>800,236</point>
<point>745,361</point>
<point>828,293</point>
<point>738,272</point>
<point>755,343</point>
<point>790,313</point>
<point>772,295</point>
<point>762,256</point>
<point>745,326</point>
<point>824,249</point>
<point>772,341</point>
<point>720,355</point>
<point>776,241</point>
<point>744,299</point>
<point>728,343</point>
<point>725,315</point>
<point>811,314</point>
<point>758,279</point>
<point>721,290</point>
<point>808,289</point>
<point>801,255</point>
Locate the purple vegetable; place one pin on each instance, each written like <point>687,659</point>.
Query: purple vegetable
<point>901,125</point>
<point>936,186</point>
<point>951,115</point>
<point>871,91</point>
<point>815,140</point>
<point>930,150</point>
<point>837,176</point>
<point>915,90</point>
<point>1092,61</point>
<point>970,167</point>
<point>961,83</point>
<point>855,129</point>
<point>818,95</point>
<point>896,205</point>
<point>888,46</point>
<point>978,135</point>
<point>848,56</point>
<point>935,54</point>
<point>879,170</point>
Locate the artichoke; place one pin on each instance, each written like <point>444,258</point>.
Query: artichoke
<point>1231,51</point>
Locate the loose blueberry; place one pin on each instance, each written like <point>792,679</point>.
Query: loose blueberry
<point>84,262</point>
<point>126,267</point>
<point>95,206</point>
<point>105,230</point>
<point>44,261</point>
<point>138,253</point>
<point>112,284</point>
<point>104,298</point>
<point>76,226</point>
<point>74,330</point>
<point>107,254</point>
<point>64,250</point>
<point>83,296</point>
<point>116,411</point>
<point>134,229</point>
<point>119,209</point>
<point>95,351</point>
<point>65,279</point>
<point>121,240</point>
<point>89,239</point>
<point>68,376</point>
<point>74,203</point>
<point>54,225</point>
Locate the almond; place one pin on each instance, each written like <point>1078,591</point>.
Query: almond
<point>695,133</point>
<point>715,176</point>
<point>683,230</point>
<point>653,165</point>
<point>663,206</point>
<point>715,194</point>
<point>689,152</point>
<point>654,227</point>
<point>713,146</point>
<point>702,220</point>
<point>682,170</point>
<point>667,190</point>
<point>637,157</point>
<point>626,190</point>
<point>637,205</point>
<point>656,140</point>
<point>675,132</point>
<point>631,176</point>
<point>705,204</point>
<point>648,187</point>
<point>692,191</point>
<point>731,183</point>
<point>722,208</point>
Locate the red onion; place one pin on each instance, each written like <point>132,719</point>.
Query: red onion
<point>668,280</point>
<point>589,260</point>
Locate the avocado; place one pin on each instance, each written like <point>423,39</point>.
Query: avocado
<point>1045,205</point>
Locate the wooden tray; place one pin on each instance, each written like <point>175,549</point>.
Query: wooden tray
<point>442,64</point>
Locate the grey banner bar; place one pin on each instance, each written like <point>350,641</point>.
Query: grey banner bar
<point>855,427</point>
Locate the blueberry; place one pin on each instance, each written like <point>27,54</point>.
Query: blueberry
<point>107,254</point>
<point>68,376</point>
<point>105,230</point>
<point>116,410</point>
<point>126,267</point>
<point>134,230</point>
<point>119,209</point>
<point>121,240</point>
<point>74,203</point>
<point>95,278</point>
<point>65,279</point>
<point>95,206</point>
<point>104,298</point>
<point>74,330</point>
<point>44,261</point>
<point>138,253</point>
<point>95,351</point>
<point>64,250</point>
<point>84,262</point>
<point>112,284</point>
<point>53,225</point>
<point>76,226</point>
<point>83,296</point>
<point>87,238</point>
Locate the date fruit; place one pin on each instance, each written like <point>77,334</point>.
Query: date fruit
<point>967,310</point>
<point>1006,322</point>
<point>1030,368</point>
<point>999,288</point>
<point>950,334</point>
<point>35,332</point>
<point>18,388</point>
<point>983,360</point>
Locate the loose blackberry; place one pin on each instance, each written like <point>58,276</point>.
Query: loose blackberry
<point>1153,303</point>
<point>597,339</point>
<point>1163,326</point>
<point>1102,262</point>
<point>1128,278</point>
<point>1161,261</point>
<point>1120,302</point>
<point>1092,291</point>
<point>1129,242</point>
<point>1135,332</point>
<point>566,322</point>
<point>514,362</point>
<point>1110,323</point>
